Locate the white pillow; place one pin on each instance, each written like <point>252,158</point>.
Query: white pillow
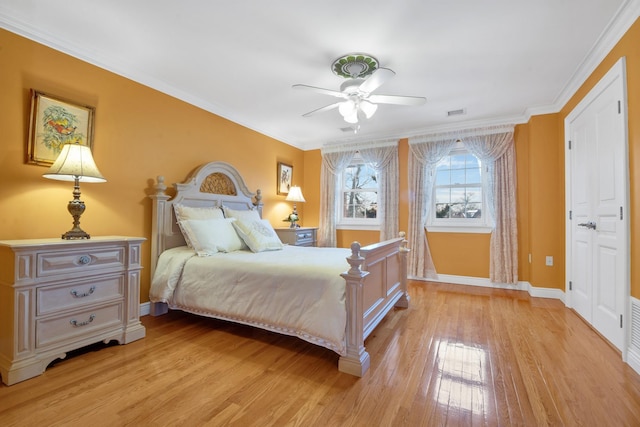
<point>187,212</point>
<point>245,215</point>
<point>210,236</point>
<point>184,213</point>
<point>259,235</point>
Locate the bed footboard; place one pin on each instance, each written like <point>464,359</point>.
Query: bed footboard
<point>375,283</point>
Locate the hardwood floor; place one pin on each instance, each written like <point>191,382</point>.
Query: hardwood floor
<point>459,356</point>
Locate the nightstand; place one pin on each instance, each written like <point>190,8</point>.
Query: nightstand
<point>303,236</point>
<point>59,295</point>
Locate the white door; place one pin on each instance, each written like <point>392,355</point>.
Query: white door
<point>597,194</point>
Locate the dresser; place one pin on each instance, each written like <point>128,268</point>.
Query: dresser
<point>303,236</point>
<point>60,295</point>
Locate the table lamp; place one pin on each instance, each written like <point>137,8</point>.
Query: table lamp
<point>75,163</point>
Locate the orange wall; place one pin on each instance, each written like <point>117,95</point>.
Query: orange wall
<point>139,133</point>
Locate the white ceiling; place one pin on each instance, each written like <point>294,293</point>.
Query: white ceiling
<point>500,60</point>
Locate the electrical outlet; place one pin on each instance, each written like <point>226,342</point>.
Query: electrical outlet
<point>549,261</point>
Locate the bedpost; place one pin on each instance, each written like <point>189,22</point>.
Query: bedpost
<point>403,302</point>
<point>159,215</point>
<point>356,361</point>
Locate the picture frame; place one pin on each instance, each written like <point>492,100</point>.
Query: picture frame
<point>55,122</point>
<point>285,175</point>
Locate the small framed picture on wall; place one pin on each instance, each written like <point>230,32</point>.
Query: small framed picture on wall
<point>285,174</point>
<point>55,122</point>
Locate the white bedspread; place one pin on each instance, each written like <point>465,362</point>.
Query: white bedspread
<point>296,291</point>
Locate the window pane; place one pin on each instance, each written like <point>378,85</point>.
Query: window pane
<point>473,195</point>
<point>443,210</point>
<point>457,176</point>
<point>360,204</point>
<point>474,176</point>
<point>443,176</point>
<point>472,161</point>
<point>443,195</point>
<point>458,161</point>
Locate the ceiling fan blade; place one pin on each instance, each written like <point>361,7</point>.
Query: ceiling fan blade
<point>321,90</point>
<point>375,80</point>
<point>397,100</point>
<point>323,109</point>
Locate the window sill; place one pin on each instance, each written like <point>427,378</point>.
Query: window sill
<point>459,229</point>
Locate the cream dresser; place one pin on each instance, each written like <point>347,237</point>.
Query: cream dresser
<point>59,295</point>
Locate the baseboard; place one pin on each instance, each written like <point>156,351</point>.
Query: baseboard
<point>633,348</point>
<point>485,282</point>
<point>145,308</point>
<point>633,359</point>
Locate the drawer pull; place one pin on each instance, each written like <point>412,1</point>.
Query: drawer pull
<point>77,324</point>
<point>77,294</point>
<point>84,260</point>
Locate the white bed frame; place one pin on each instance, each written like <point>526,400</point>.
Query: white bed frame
<point>375,282</point>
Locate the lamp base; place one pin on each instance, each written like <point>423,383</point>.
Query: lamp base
<point>76,207</point>
<point>76,234</point>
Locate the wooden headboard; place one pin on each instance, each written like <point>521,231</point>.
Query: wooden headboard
<point>213,184</point>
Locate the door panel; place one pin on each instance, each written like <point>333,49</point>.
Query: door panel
<point>597,264</point>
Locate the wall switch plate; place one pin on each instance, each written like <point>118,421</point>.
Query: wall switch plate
<point>549,261</point>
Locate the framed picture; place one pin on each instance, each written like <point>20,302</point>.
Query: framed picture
<point>285,173</point>
<point>55,122</point>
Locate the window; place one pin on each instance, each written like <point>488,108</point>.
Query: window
<point>459,195</point>
<point>358,196</point>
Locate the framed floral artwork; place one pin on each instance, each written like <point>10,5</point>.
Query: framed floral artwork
<point>55,122</point>
<point>285,173</point>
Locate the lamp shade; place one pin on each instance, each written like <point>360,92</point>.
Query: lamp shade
<point>295,195</point>
<point>75,161</point>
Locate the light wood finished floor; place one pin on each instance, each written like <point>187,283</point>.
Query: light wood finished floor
<point>459,356</point>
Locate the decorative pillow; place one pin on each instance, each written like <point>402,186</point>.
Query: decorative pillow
<point>185,213</point>
<point>259,235</point>
<point>210,236</point>
<point>245,215</point>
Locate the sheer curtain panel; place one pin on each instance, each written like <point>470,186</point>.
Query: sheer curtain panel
<point>385,162</point>
<point>424,154</point>
<point>333,163</point>
<point>495,148</point>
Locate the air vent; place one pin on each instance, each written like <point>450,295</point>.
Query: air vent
<point>635,323</point>
<point>459,112</point>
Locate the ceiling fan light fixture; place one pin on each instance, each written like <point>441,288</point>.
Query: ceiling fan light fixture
<point>347,108</point>
<point>368,108</point>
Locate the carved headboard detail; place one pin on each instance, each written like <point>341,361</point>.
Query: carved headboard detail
<point>218,183</point>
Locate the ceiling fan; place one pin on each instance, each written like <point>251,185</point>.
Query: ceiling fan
<point>363,77</point>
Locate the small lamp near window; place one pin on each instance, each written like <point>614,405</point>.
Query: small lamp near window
<point>295,196</point>
<point>75,163</point>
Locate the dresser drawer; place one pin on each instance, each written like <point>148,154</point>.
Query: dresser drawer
<point>56,330</point>
<point>57,298</point>
<point>79,261</point>
<point>304,238</point>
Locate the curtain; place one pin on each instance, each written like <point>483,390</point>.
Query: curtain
<point>495,148</point>
<point>424,154</point>
<point>333,163</point>
<point>385,162</point>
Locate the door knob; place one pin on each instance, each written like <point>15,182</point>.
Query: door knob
<point>590,224</point>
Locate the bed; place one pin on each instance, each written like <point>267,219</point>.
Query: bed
<point>332,297</point>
